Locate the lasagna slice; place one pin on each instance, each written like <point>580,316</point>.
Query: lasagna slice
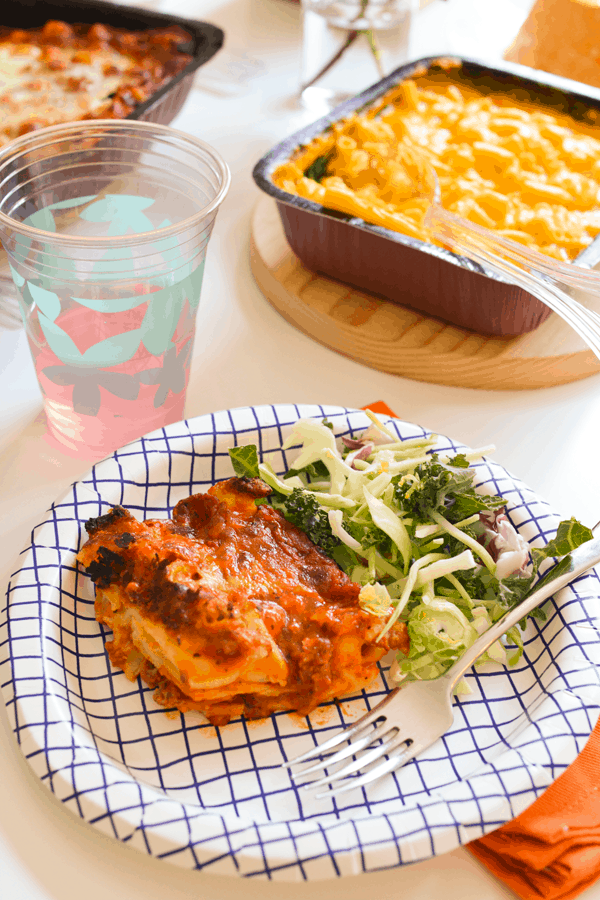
<point>63,73</point>
<point>229,609</point>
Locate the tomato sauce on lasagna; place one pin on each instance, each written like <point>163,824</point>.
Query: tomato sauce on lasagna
<point>229,609</point>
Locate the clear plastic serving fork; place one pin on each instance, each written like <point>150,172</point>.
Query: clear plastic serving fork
<point>571,291</point>
<point>411,718</point>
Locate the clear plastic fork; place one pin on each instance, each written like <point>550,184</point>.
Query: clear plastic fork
<point>550,280</point>
<point>412,718</point>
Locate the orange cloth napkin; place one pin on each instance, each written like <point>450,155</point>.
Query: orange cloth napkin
<point>552,850</point>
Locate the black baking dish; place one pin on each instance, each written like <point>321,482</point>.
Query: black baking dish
<point>165,103</point>
<point>409,271</point>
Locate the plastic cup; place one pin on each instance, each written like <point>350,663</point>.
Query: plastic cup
<point>106,225</point>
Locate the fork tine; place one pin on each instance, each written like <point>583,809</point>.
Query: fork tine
<point>372,756</point>
<point>345,734</point>
<point>350,750</point>
<point>393,742</point>
<point>374,774</point>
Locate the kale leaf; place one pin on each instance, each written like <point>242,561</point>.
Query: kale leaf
<point>318,169</point>
<point>459,461</point>
<point>302,509</point>
<point>315,471</point>
<point>465,505</point>
<point>570,534</point>
<point>245,461</point>
<point>448,487</point>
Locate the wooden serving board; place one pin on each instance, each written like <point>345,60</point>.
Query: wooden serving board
<point>393,338</point>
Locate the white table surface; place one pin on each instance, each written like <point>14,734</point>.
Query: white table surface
<point>245,353</point>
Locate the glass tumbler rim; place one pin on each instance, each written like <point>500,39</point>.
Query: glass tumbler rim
<point>86,128</point>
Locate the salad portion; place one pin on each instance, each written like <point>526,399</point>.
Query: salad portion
<point>408,524</point>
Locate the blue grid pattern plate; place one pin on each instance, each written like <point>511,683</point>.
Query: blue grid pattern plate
<point>179,789</point>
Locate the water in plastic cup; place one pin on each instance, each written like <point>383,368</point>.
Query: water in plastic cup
<point>106,226</point>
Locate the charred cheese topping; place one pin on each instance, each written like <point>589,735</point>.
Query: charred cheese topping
<point>51,96</point>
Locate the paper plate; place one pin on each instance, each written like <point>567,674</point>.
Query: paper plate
<point>182,790</point>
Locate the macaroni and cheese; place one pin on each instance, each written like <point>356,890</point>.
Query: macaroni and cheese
<point>526,174</point>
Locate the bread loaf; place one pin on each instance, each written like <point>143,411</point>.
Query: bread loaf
<point>562,37</point>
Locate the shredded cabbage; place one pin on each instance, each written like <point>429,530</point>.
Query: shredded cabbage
<point>439,628</point>
<point>335,521</point>
<point>391,524</point>
<point>409,526</point>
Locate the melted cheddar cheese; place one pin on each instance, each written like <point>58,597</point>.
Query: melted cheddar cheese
<point>518,170</point>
